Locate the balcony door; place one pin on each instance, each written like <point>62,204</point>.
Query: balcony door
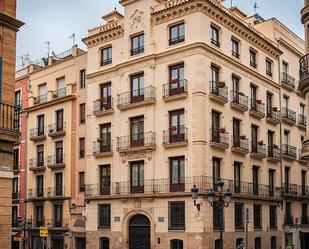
<point>39,186</point>
<point>58,215</point>
<point>216,171</point>
<point>61,87</point>
<point>271,175</point>
<point>215,126</point>
<point>105,96</point>
<point>253,97</point>
<point>40,125</point>
<point>269,103</point>
<point>255,180</point>
<point>235,84</point>
<point>105,137</point>
<point>236,133</point>
<point>303,182</point>
<point>39,216</point>
<point>59,152</point>
<point>177,74</point>
<point>177,174</point>
<point>40,155</point>
<point>137,177</point>
<point>42,90</point>
<point>105,179</point>
<point>254,137</point>
<point>137,88</point>
<point>177,123</point>
<point>137,131</point>
<point>270,140</point>
<point>287,179</point>
<point>59,184</point>
<point>59,120</point>
<point>237,187</point>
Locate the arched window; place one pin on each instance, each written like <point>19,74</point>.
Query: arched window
<point>238,241</point>
<point>176,244</point>
<point>104,243</point>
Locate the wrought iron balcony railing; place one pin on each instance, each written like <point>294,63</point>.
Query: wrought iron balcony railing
<point>55,192</point>
<point>36,193</point>
<point>274,152</point>
<point>258,107</point>
<point>288,114</point>
<point>106,62</point>
<point>295,190</point>
<point>239,99</point>
<point>174,89</point>
<point>37,162</point>
<point>103,105</point>
<point>55,160</point>
<point>274,114</point>
<point>289,151</point>
<point>138,50</point>
<point>258,148</point>
<point>9,117</point>
<point>137,96</point>
<point>60,93</point>
<point>302,120</point>
<point>102,146</point>
<point>176,40</point>
<point>57,223</point>
<point>56,129</point>
<point>143,139</point>
<point>40,99</point>
<point>287,80</point>
<point>175,134</point>
<point>37,133</point>
<point>219,90</point>
<point>240,142</point>
<point>304,67</point>
<point>219,136</point>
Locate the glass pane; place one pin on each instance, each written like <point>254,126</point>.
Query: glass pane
<point>141,175</point>
<point>173,33</point>
<point>141,41</point>
<point>134,175</point>
<point>181,30</point>
<point>175,171</point>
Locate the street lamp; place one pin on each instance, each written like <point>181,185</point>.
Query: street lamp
<point>194,191</point>
<point>220,199</point>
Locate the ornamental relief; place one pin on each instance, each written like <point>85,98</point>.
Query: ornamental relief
<point>137,21</point>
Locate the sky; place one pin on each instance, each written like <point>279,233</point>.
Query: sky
<point>55,21</point>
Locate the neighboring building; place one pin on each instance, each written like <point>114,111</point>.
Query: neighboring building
<point>54,199</point>
<point>9,114</point>
<point>177,104</point>
<point>19,158</point>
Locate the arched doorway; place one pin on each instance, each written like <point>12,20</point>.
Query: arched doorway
<point>139,232</point>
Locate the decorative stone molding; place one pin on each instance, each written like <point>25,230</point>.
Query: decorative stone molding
<point>137,21</point>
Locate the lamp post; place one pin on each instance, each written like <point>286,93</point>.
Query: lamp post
<point>220,199</point>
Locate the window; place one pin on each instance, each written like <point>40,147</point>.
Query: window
<point>237,166</point>
<point>81,181</point>
<point>285,69</point>
<point>16,159</point>
<point>106,56</point>
<point>105,137</point>
<point>177,126</point>
<point>269,67</point>
<point>235,48</point>
<point>177,174</point>
<point>286,137</point>
<point>271,177</point>
<point>18,98</point>
<point>176,214</point>
<point>253,59</point>
<point>59,152</point>
<point>137,131</point>
<point>214,74</point>
<point>40,125</point>
<point>217,244</point>
<point>104,243</point>
<point>39,186</point>
<point>80,242</point>
<point>286,100</point>
<point>105,179</point>
<point>269,104</point>
<point>137,44</point>
<point>176,79</point>
<point>40,155</point>
<point>216,171</point>
<point>105,97</point>
<point>236,132</point>
<point>304,213</point>
<point>58,214</point>
<point>61,89</point>
<point>82,78</point>
<point>15,216</point>
<point>59,120</point>
<point>273,242</point>
<point>137,177</point>
<point>272,217</point>
<point>254,138</point>
<point>15,188</point>
<point>176,244</point>
<point>239,215</point>
<point>177,34</point>
<point>59,184</point>
<point>215,36</point>
<point>257,213</point>
<point>82,113</point>
<point>215,126</point>
<point>104,216</point>
<point>39,216</point>
<point>255,179</point>
<point>137,88</point>
<point>42,94</point>
<point>82,147</point>
<point>216,217</point>
<point>257,243</point>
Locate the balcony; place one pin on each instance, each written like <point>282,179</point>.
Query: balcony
<point>36,194</point>
<point>56,162</point>
<point>140,141</point>
<point>301,158</point>
<point>55,193</point>
<point>175,136</point>
<point>273,115</point>
<point>9,118</point>
<point>274,153</point>
<point>55,224</point>
<point>288,152</point>
<point>106,62</point>
<point>219,138</point>
<point>56,129</point>
<point>304,72</point>
<point>218,92</point>
<point>240,144</point>
<point>141,97</point>
<point>239,101</point>
<point>287,81</point>
<point>288,115</point>
<point>137,51</point>
<point>40,99</point>
<point>103,106</point>
<point>37,164</point>
<point>302,121</point>
<point>35,223</point>
<point>258,149</point>
<point>37,134</point>
<point>102,148</point>
<point>166,187</point>
<point>175,90</point>
<point>257,108</point>
<point>60,93</point>
<point>294,190</point>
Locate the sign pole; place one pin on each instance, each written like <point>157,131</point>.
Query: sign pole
<point>247,222</point>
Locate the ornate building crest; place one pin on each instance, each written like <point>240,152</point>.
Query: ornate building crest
<point>137,21</point>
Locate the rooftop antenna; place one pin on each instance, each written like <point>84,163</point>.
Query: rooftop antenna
<point>255,7</point>
<point>73,38</point>
<point>231,3</point>
<point>48,48</point>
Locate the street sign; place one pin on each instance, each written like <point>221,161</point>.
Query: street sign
<point>43,232</point>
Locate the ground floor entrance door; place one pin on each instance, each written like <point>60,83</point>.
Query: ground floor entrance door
<point>139,232</point>
<point>304,240</point>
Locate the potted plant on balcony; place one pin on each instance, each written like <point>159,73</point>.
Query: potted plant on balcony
<point>261,142</point>
<point>174,81</point>
<point>275,146</point>
<point>221,84</point>
<point>275,109</point>
<point>173,128</point>
<point>258,101</point>
<point>222,130</point>
<point>242,137</point>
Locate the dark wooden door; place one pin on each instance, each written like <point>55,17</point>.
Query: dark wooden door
<point>105,137</point>
<point>215,127</point>
<point>105,97</point>
<point>139,232</point>
<point>176,85</point>
<point>59,184</point>
<point>137,88</point>
<point>177,174</point>
<point>105,179</point>
<point>137,177</point>
<point>137,131</point>
<point>177,123</point>
<point>59,120</point>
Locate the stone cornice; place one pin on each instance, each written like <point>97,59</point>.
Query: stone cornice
<point>174,9</point>
<point>290,47</point>
<point>104,33</point>
<point>185,51</point>
<point>10,22</point>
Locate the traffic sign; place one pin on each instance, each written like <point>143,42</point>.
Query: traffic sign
<point>43,232</point>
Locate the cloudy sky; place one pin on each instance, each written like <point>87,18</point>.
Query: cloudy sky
<point>56,20</point>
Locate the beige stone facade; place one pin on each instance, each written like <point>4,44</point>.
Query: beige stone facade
<point>187,92</point>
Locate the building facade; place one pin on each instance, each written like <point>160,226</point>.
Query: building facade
<point>9,114</point>
<point>56,96</point>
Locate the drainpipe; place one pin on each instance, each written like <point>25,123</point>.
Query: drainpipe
<point>25,175</point>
